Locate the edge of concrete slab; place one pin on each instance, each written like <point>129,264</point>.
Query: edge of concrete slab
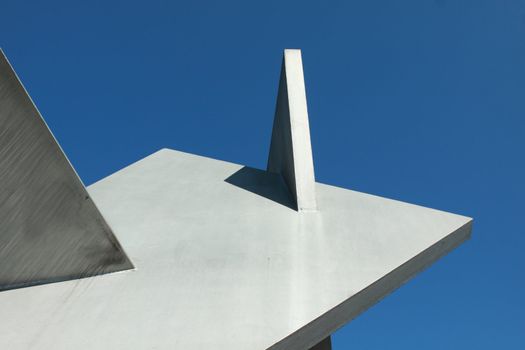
<point>326,324</point>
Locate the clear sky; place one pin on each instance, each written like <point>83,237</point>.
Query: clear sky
<point>421,101</point>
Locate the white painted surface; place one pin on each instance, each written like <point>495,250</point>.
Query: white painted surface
<point>220,267</point>
<point>290,148</point>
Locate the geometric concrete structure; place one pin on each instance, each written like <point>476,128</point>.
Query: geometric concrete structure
<point>50,229</point>
<point>228,257</point>
<point>290,148</point>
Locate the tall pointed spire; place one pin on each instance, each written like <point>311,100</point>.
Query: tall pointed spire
<point>290,148</point>
<point>50,229</point>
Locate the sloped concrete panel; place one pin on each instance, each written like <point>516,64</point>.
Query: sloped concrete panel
<point>50,229</point>
<point>225,268</point>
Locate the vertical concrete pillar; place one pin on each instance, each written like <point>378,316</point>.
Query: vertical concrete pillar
<point>290,148</point>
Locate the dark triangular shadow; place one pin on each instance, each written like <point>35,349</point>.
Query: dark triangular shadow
<point>264,184</point>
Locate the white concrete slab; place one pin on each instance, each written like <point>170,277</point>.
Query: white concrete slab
<point>223,262</point>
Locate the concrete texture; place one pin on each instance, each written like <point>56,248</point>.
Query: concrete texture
<point>50,229</point>
<point>290,147</point>
<point>222,265</point>
<point>223,259</point>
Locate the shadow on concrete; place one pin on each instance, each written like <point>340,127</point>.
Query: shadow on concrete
<point>264,184</point>
<point>326,344</point>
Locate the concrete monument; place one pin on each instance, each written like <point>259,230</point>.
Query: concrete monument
<point>178,251</point>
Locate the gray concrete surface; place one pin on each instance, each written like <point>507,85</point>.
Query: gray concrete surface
<point>50,229</point>
<point>290,148</point>
<point>222,265</point>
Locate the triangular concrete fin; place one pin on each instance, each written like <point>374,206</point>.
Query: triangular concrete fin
<point>290,148</point>
<point>50,229</point>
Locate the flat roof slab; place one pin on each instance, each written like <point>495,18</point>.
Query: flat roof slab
<point>223,261</point>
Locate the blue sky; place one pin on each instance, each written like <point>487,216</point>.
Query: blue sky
<point>421,101</point>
